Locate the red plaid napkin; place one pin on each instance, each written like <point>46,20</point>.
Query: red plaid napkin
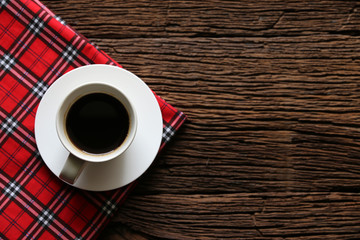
<point>37,47</point>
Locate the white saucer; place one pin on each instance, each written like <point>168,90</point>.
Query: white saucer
<point>123,169</point>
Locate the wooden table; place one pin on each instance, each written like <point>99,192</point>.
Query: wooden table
<point>271,88</point>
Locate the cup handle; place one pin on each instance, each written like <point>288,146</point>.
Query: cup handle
<point>72,169</point>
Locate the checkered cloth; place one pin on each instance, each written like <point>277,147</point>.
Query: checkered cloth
<point>36,48</point>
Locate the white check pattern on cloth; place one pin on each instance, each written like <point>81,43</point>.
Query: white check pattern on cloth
<point>12,189</point>
<point>9,124</point>
<point>69,53</point>
<point>60,20</point>
<point>39,89</point>
<point>3,3</point>
<point>45,218</point>
<point>168,132</point>
<point>36,26</point>
<point>7,62</point>
<point>109,208</point>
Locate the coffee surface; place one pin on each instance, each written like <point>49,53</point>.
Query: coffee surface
<point>97,123</point>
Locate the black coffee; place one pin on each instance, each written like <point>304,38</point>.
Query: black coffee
<point>97,123</point>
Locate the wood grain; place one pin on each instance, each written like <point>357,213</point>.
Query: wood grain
<point>271,148</point>
<point>239,215</point>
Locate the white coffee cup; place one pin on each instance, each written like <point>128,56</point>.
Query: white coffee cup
<point>91,106</point>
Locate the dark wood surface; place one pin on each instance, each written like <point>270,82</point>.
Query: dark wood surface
<point>271,88</point>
